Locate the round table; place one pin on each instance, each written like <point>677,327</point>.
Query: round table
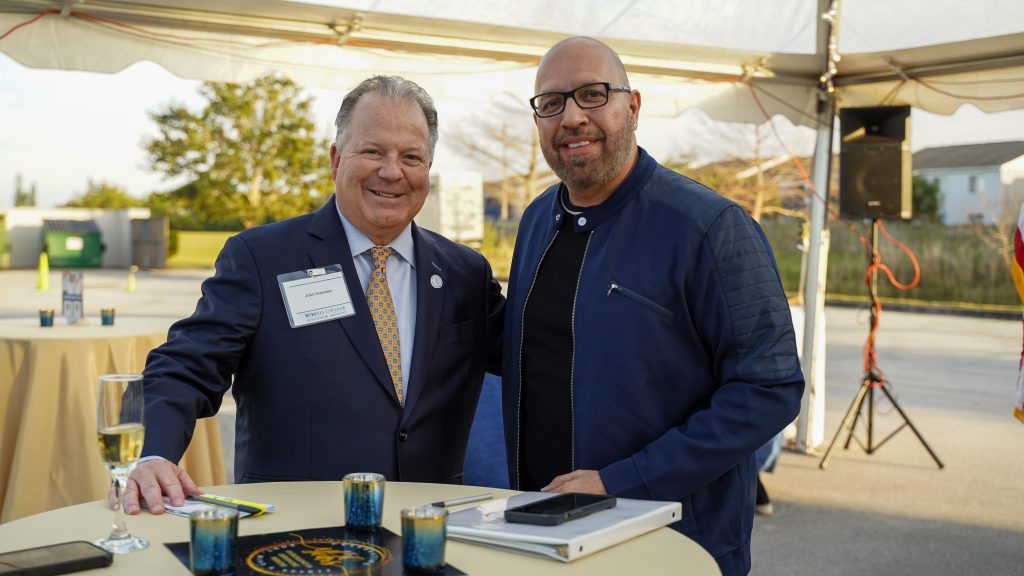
<point>318,505</point>
<point>48,376</point>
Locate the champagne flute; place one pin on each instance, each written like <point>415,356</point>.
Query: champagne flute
<point>120,431</point>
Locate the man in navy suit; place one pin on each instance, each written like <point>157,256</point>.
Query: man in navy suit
<point>287,320</point>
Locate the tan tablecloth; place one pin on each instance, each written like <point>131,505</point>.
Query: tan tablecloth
<point>48,452</point>
<point>318,504</point>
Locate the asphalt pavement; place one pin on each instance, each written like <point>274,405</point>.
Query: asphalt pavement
<point>893,512</point>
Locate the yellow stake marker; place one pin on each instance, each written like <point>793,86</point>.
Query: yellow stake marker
<point>43,285</point>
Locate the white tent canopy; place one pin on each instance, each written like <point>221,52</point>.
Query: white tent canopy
<point>681,53</point>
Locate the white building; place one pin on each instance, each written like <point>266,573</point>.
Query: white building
<point>978,183</point>
<point>454,207</point>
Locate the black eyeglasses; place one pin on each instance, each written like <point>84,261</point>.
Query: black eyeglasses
<point>587,96</point>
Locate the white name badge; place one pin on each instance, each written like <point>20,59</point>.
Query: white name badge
<point>315,295</point>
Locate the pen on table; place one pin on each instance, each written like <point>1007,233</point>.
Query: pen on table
<point>463,500</point>
<point>240,507</point>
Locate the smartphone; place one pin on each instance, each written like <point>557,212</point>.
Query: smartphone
<point>54,559</point>
<point>559,508</point>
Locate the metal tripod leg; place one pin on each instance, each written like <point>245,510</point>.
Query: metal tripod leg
<point>848,422</point>
<point>913,428</point>
<point>869,420</point>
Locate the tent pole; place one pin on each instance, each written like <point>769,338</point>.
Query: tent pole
<point>811,422</point>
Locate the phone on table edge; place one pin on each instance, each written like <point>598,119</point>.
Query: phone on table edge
<point>559,508</point>
<point>54,559</point>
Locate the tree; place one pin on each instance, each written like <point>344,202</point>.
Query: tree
<point>503,140</point>
<point>758,184</point>
<point>250,154</point>
<point>188,209</point>
<point>104,195</point>
<point>23,196</point>
<point>927,199</point>
<point>1002,212</point>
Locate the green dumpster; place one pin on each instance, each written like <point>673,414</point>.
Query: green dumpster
<point>73,243</point>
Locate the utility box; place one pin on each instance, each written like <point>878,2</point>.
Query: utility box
<point>5,246</point>
<point>454,207</point>
<point>150,240</point>
<point>73,243</point>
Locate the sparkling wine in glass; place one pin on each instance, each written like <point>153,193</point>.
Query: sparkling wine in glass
<point>120,430</point>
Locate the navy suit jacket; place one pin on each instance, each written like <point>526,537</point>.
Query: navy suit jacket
<point>317,402</point>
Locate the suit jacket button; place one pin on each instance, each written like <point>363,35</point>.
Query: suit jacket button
<point>402,436</point>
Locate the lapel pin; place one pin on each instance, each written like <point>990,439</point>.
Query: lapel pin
<point>436,281</point>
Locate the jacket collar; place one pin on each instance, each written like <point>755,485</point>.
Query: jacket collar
<point>593,216</point>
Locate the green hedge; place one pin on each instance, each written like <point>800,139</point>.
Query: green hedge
<point>956,266</point>
<point>195,249</point>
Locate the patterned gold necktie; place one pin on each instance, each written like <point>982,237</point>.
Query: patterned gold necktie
<point>382,308</point>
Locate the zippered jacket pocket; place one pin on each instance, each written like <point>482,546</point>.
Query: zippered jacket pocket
<point>616,288</point>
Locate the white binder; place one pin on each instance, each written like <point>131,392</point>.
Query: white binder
<point>485,524</point>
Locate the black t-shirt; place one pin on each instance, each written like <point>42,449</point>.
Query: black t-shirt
<point>546,417</point>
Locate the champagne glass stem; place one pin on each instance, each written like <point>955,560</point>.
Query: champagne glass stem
<point>120,524</point>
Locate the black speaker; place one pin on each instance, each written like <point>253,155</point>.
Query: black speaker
<point>875,162</point>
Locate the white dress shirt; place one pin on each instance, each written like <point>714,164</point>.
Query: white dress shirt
<point>401,272</point>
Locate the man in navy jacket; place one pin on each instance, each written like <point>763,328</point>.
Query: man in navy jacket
<point>317,400</point>
<point>649,349</point>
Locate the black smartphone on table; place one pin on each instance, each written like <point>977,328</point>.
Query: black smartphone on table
<point>54,559</point>
<point>559,508</point>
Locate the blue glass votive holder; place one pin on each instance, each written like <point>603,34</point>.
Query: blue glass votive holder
<point>364,501</point>
<point>214,537</point>
<point>107,316</point>
<point>46,317</point>
<point>424,531</point>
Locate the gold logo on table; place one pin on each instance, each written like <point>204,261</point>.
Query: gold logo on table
<point>345,557</point>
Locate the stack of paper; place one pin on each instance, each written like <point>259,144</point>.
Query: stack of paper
<point>485,524</point>
<point>204,501</point>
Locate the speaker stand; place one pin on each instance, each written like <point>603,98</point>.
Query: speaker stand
<point>872,381</point>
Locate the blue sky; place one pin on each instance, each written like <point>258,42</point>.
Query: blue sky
<point>61,128</point>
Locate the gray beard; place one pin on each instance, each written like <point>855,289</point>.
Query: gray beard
<point>583,173</point>
<point>578,175</point>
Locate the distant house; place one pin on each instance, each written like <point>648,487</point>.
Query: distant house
<point>979,183</point>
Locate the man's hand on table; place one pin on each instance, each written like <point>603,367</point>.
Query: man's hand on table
<point>155,479</point>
